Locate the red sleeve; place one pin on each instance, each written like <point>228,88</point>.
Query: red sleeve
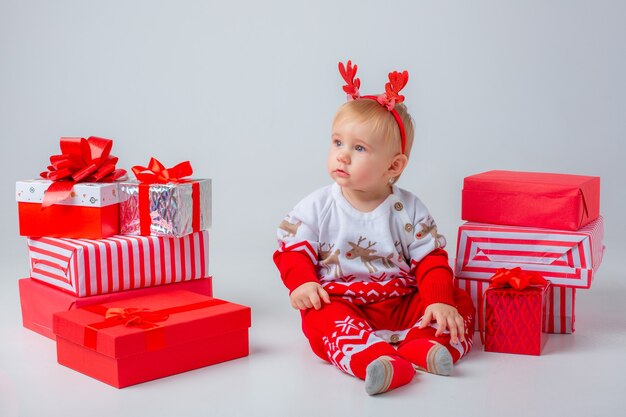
<point>295,269</point>
<point>434,278</point>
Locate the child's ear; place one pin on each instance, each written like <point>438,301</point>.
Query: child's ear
<point>398,163</point>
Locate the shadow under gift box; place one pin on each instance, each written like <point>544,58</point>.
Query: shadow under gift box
<point>92,211</point>
<point>85,267</point>
<point>568,259</point>
<point>172,209</point>
<point>40,301</point>
<point>534,199</point>
<point>179,331</point>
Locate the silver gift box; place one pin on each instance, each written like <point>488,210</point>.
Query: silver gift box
<point>171,208</point>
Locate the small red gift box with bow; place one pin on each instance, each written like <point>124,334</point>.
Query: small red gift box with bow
<point>139,339</point>
<point>515,310</point>
<point>77,197</point>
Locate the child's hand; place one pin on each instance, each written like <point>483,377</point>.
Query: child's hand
<point>307,295</point>
<point>446,316</point>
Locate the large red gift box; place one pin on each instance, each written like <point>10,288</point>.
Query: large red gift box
<point>86,267</point>
<point>543,200</point>
<point>139,339</point>
<point>514,320</point>
<point>91,212</point>
<point>40,301</point>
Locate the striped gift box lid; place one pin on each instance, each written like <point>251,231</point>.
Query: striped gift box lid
<point>565,258</point>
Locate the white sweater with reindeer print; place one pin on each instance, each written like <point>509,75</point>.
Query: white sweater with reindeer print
<point>362,257</point>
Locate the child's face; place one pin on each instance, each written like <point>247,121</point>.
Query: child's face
<point>359,160</point>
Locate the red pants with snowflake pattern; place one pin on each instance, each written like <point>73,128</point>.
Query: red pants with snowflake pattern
<point>352,336</point>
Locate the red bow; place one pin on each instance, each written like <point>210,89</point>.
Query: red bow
<point>81,160</point>
<point>133,316</point>
<point>516,278</point>
<point>138,317</point>
<point>157,173</point>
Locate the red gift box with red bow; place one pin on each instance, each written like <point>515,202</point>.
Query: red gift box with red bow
<point>40,301</point>
<point>515,311</point>
<point>77,197</point>
<point>536,199</point>
<point>139,339</point>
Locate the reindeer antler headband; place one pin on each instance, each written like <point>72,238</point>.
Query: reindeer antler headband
<point>397,81</point>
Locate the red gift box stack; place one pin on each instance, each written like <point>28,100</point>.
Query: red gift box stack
<point>541,222</point>
<point>122,309</point>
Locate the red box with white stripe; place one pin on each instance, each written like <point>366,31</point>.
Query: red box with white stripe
<point>91,212</point>
<point>85,267</point>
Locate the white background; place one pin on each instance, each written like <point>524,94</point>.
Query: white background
<point>246,91</point>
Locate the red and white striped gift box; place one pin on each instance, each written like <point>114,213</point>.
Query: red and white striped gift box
<point>86,267</point>
<point>565,258</point>
<point>560,304</point>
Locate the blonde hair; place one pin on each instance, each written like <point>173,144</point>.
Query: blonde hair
<point>381,121</point>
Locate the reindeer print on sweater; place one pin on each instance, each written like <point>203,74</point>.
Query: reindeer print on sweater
<point>367,255</point>
<point>427,227</point>
<point>361,256</point>
<point>330,260</point>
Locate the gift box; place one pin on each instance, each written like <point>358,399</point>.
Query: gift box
<point>565,258</point>
<point>560,305</point>
<point>174,209</point>
<point>91,211</point>
<point>139,339</point>
<point>515,316</point>
<point>86,267</point>
<point>40,301</point>
<point>78,196</point>
<point>163,202</point>
<point>543,200</point>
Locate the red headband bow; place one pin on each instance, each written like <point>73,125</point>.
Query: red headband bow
<point>391,96</point>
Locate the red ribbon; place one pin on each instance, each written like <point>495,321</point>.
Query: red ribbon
<point>514,278</point>
<point>141,318</point>
<point>156,173</point>
<point>81,160</point>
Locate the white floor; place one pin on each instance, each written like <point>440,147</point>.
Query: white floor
<point>583,374</point>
